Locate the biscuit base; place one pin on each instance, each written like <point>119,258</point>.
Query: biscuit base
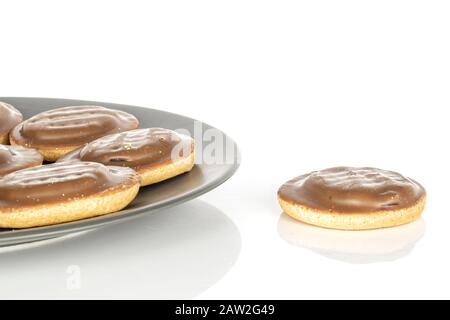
<point>4,138</point>
<point>51,154</point>
<point>157,174</point>
<point>99,204</point>
<point>353,221</point>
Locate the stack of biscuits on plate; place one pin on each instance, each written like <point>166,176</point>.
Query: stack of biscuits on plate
<point>78,162</point>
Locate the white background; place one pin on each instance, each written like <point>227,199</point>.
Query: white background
<point>300,85</point>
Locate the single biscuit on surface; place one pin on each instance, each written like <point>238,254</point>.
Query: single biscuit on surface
<point>57,132</point>
<point>64,192</point>
<point>9,118</point>
<point>157,154</point>
<point>353,198</point>
<point>14,158</point>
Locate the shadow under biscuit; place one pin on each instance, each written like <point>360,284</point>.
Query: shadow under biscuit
<point>176,253</point>
<point>356,247</point>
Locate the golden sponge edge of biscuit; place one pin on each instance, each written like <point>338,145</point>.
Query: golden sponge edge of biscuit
<point>51,154</point>
<point>152,175</point>
<point>353,221</point>
<point>102,203</point>
<point>4,138</point>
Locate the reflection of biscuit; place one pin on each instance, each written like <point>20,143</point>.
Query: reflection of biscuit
<point>368,246</point>
<point>353,198</point>
<point>13,158</point>
<point>156,154</point>
<point>9,118</point>
<point>64,192</point>
<point>59,131</point>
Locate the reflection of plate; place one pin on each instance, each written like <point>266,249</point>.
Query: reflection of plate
<point>175,254</point>
<point>203,178</point>
<point>353,246</point>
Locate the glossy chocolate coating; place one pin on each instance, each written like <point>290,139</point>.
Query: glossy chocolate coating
<point>72,126</point>
<point>61,182</point>
<point>141,148</point>
<point>14,158</point>
<point>352,190</point>
<point>9,117</point>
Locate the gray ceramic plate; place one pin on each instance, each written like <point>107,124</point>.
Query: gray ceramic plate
<point>203,178</point>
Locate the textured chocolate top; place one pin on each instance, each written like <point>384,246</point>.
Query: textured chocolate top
<point>352,190</point>
<point>13,158</point>
<point>61,182</point>
<point>72,126</point>
<point>136,149</point>
<point>9,117</point>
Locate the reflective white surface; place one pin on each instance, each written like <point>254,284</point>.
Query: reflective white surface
<point>300,86</point>
<point>177,253</point>
<point>357,247</point>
